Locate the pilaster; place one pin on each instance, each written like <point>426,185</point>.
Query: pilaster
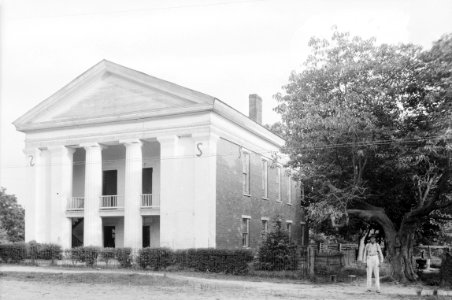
<point>168,189</point>
<point>34,212</point>
<point>205,189</point>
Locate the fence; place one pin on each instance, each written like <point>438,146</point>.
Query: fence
<point>349,251</point>
<point>303,261</point>
<point>431,251</point>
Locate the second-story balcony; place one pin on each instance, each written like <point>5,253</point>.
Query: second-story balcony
<point>111,205</point>
<point>110,202</point>
<point>148,201</point>
<point>150,205</point>
<point>76,203</point>
<point>75,207</point>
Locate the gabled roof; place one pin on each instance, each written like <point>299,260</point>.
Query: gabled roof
<point>109,92</point>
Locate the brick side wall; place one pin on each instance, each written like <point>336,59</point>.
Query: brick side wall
<point>232,204</point>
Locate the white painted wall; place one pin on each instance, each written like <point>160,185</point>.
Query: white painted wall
<point>187,209</point>
<point>154,223</point>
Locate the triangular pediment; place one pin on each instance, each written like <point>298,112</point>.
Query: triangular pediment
<point>109,91</point>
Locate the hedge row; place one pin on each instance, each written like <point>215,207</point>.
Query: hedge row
<point>16,252</point>
<point>90,255</point>
<point>204,260</point>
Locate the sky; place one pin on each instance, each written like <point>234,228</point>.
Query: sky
<point>227,49</point>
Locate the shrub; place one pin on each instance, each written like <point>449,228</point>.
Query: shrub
<point>277,253</point>
<point>156,258</point>
<point>203,260</point>
<point>217,260</point>
<point>88,255</point>
<point>33,251</point>
<point>75,254</point>
<point>180,258</point>
<point>13,252</point>
<point>48,251</point>
<point>107,254</point>
<point>123,257</point>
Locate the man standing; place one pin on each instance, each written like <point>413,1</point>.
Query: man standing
<point>373,256</point>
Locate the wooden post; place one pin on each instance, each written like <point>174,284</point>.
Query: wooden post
<point>328,263</point>
<point>429,257</point>
<point>311,258</point>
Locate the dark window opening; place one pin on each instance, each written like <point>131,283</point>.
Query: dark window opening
<point>109,236</point>
<point>146,236</point>
<point>110,182</point>
<point>147,181</point>
<point>77,232</point>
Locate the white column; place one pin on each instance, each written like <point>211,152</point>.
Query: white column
<point>133,223</point>
<point>61,163</point>
<point>168,189</point>
<point>205,169</point>
<point>92,231</point>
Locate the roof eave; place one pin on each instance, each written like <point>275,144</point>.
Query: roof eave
<point>242,120</point>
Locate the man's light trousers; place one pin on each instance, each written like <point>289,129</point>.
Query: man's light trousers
<point>373,266</point>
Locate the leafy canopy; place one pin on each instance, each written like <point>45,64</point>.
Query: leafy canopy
<point>11,218</point>
<point>367,127</point>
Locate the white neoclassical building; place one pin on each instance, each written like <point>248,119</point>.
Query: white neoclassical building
<point>119,158</point>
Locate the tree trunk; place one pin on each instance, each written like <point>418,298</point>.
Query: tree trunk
<point>399,243</point>
<point>400,252</point>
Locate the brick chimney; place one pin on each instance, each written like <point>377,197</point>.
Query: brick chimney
<point>255,111</point>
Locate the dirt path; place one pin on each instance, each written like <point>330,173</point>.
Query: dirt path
<point>168,286</point>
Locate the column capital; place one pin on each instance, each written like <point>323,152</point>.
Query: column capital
<point>55,149</point>
<point>167,139</point>
<point>130,142</point>
<point>90,145</point>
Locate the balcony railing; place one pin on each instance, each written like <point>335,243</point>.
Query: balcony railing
<point>76,203</point>
<point>148,201</point>
<point>109,201</point>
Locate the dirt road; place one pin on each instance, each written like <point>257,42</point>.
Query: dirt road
<point>17,282</point>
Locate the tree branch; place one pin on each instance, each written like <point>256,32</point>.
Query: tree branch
<point>378,216</point>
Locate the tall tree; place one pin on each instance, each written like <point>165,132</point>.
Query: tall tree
<point>3,234</point>
<point>12,217</point>
<point>366,125</point>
